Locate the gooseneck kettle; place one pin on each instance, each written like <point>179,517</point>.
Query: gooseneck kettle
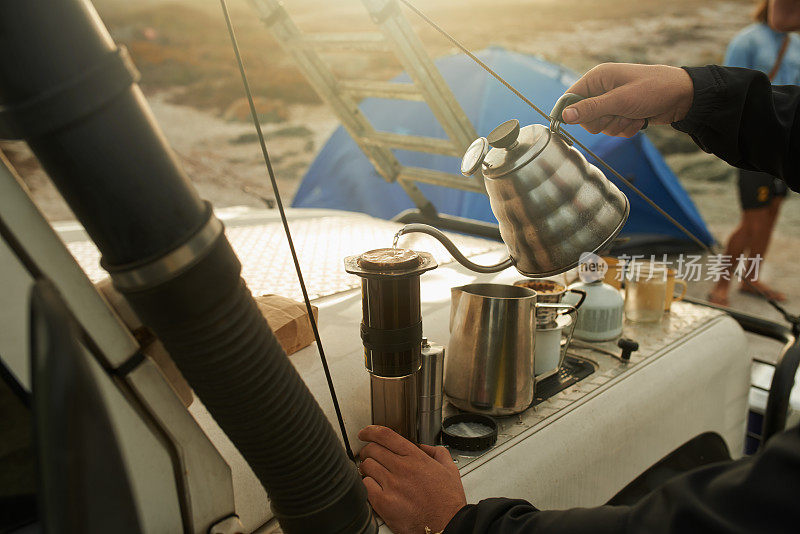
<point>551,204</point>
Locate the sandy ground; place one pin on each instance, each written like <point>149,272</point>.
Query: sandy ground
<point>223,159</point>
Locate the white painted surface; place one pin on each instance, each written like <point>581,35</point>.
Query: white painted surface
<point>578,456</point>
<point>585,456</point>
<point>580,448</point>
<point>147,459</point>
<point>148,464</point>
<point>29,227</point>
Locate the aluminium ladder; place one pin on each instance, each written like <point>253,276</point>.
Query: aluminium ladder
<point>343,96</point>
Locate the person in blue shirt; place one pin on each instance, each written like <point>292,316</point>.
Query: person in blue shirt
<point>766,46</point>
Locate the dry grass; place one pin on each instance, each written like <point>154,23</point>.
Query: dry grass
<point>185,46</point>
<point>177,45</point>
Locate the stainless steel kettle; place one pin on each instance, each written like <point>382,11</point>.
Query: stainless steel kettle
<point>551,204</point>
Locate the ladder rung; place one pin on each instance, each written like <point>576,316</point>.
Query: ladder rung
<point>373,42</point>
<point>412,142</point>
<point>370,88</point>
<point>428,176</point>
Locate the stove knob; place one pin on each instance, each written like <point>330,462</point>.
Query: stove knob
<point>628,346</point>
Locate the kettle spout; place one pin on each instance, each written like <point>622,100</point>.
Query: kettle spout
<point>452,249</point>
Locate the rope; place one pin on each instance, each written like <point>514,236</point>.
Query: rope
<point>285,222</point>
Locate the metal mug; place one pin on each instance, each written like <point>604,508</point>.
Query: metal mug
<point>490,364</point>
<point>550,203</point>
<point>548,351</point>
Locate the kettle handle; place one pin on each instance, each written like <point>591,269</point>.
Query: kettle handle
<point>566,100</point>
<point>451,248</point>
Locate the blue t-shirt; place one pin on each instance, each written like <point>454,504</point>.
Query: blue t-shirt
<point>757,47</point>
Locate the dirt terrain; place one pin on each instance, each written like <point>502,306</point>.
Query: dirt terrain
<point>190,79</point>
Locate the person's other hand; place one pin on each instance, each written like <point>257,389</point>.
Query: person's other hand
<point>410,487</point>
<point>623,95</point>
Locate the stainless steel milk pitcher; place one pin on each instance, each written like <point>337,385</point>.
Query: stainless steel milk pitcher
<point>490,358</point>
<point>551,204</point>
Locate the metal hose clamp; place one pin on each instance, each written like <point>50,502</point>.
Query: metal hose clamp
<point>173,263</point>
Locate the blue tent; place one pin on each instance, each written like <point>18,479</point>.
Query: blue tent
<point>341,177</point>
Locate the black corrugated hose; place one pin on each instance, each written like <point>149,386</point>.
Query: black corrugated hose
<point>67,90</point>
<point>213,330</point>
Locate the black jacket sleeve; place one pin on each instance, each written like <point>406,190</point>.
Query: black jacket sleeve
<point>740,117</point>
<point>757,494</point>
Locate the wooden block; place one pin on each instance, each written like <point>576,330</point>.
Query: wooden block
<point>288,319</point>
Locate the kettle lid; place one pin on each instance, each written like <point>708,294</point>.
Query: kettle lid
<point>512,148</point>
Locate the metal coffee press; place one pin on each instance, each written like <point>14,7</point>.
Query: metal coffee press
<point>391,331</point>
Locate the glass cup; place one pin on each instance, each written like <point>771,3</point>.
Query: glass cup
<point>672,282</point>
<point>645,292</point>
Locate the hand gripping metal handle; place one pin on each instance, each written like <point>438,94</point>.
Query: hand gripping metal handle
<point>453,250</point>
<point>566,100</point>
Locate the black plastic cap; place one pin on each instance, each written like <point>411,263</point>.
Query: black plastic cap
<point>472,444</point>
